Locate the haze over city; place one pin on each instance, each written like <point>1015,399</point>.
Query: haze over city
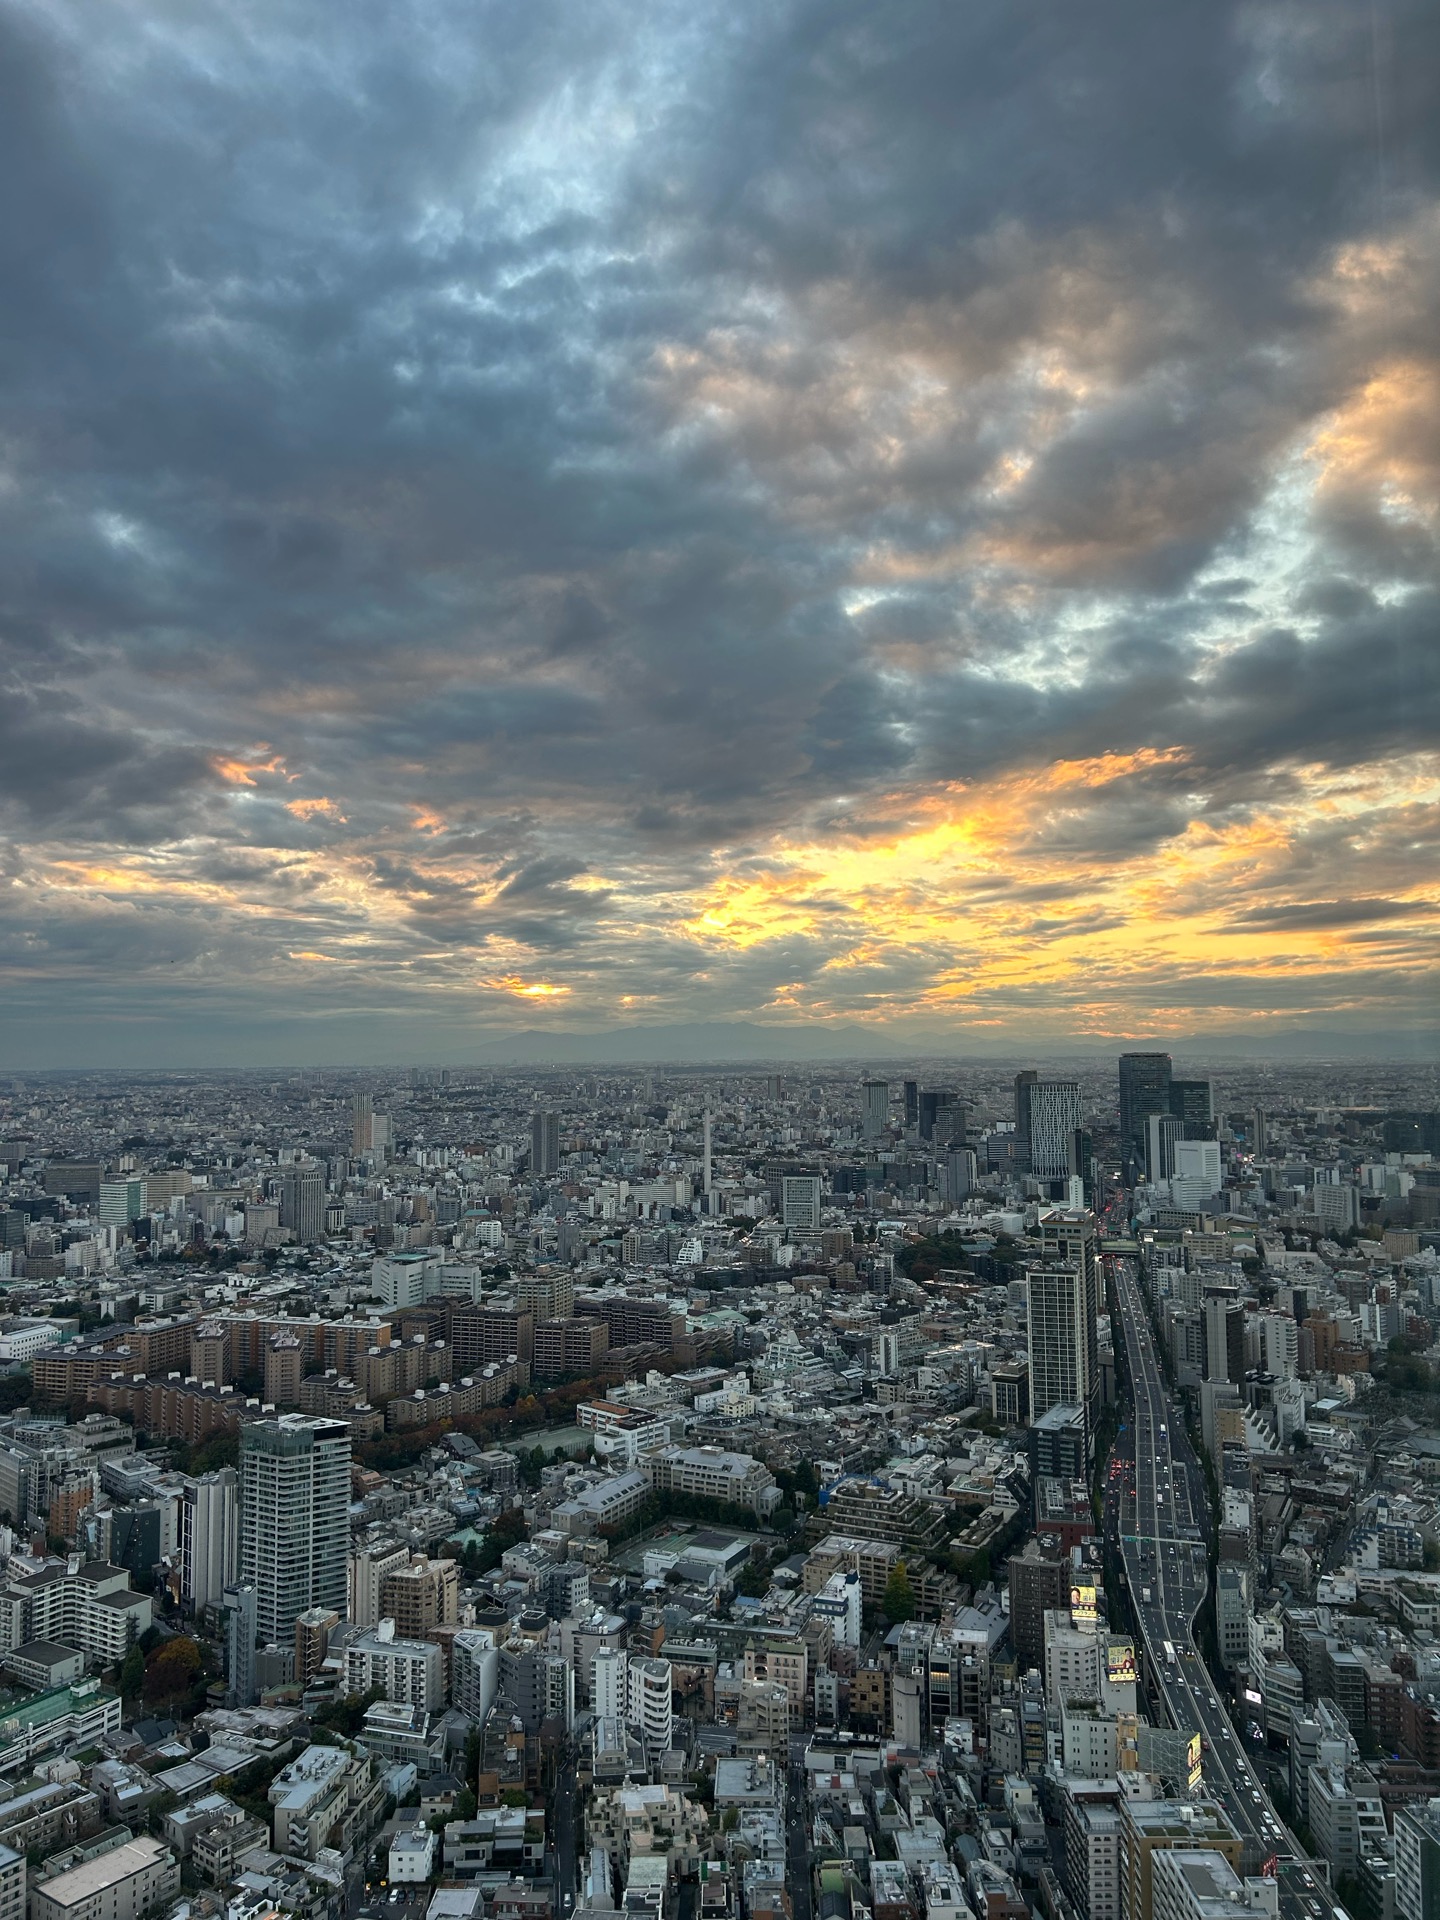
<point>902,528</point>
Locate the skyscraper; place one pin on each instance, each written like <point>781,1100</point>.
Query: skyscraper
<point>912,1104</point>
<point>544,1142</point>
<point>875,1115</point>
<point>1162,1130</point>
<point>362,1124</point>
<point>1224,1338</point>
<point>1047,1113</point>
<point>1063,1306</point>
<point>1024,1084</point>
<point>1192,1102</point>
<point>302,1201</point>
<point>1144,1089</point>
<point>930,1100</point>
<point>294,1517</point>
<point>1068,1236</point>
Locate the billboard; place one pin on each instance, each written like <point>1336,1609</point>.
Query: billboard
<point>1084,1609</point>
<point>1193,1758</point>
<point>1120,1663</point>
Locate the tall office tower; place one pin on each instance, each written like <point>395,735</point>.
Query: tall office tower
<point>1198,1162</point>
<point>1224,1339</point>
<point>1259,1134</point>
<point>1162,1131</point>
<point>707,1168</point>
<point>294,1517</point>
<point>362,1124</point>
<point>912,1104</point>
<point>875,1107</point>
<point>1144,1089</point>
<point>800,1201</point>
<point>240,1632</point>
<point>209,1536</point>
<point>1062,1339</point>
<point>951,1123</point>
<point>961,1177</point>
<point>1054,1112</point>
<point>1024,1087</point>
<point>930,1102</point>
<point>544,1143</point>
<point>302,1201</point>
<point>1193,1103</point>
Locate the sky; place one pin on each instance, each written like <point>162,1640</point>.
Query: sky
<point>574,516</point>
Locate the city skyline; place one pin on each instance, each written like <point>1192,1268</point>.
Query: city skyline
<point>917,524</point>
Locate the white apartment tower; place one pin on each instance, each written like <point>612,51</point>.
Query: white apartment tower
<point>294,1517</point>
<point>209,1536</point>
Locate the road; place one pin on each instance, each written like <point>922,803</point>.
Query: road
<point>565,1837</point>
<point>797,1835</point>
<point>1160,1519</point>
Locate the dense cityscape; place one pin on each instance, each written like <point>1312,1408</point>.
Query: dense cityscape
<point>802,1493</point>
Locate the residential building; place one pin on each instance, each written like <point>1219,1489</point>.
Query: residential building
<point>209,1536</point>
<point>407,1672</point>
<point>294,1517</point>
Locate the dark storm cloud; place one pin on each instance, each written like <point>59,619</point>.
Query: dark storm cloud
<point>595,444</point>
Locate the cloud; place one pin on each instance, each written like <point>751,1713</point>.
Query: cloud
<point>716,509</point>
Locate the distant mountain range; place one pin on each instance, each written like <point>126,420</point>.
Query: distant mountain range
<point>726,1042</point>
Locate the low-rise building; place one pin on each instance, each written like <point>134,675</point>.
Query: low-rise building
<point>121,1884</point>
<point>412,1854</point>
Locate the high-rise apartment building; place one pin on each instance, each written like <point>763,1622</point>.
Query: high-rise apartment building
<point>1144,1089</point>
<point>294,1517</point>
<point>420,1596</point>
<point>1064,1298</point>
<point>362,1124</point>
<point>209,1536</point>
<point>1039,1582</point>
<point>1062,1342</point>
<point>240,1635</point>
<point>544,1142</point>
<point>313,1629</point>
<point>367,1567</point>
<point>875,1107</point>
